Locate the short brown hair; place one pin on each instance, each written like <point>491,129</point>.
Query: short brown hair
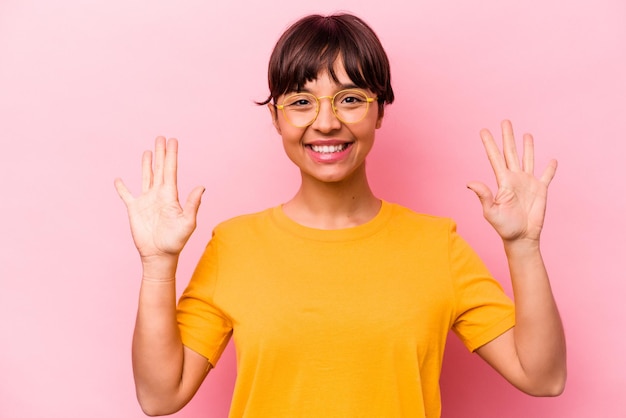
<point>315,42</point>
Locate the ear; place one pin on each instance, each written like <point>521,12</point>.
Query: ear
<point>274,113</point>
<point>381,114</point>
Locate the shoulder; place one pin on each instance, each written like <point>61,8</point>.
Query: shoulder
<point>408,218</point>
<point>246,224</point>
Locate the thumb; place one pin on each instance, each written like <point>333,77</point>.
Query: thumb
<point>123,191</point>
<point>482,191</point>
<point>193,201</point>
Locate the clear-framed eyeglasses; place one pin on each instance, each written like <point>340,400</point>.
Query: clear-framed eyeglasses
<point>349,106</point>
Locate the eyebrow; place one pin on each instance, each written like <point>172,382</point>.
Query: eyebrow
<point>349,86</point>
<point>341,87</point>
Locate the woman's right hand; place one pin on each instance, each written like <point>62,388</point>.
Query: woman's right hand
<point>159,225</point>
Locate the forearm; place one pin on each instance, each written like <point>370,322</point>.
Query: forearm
<point>539,337</point>
<point>157,350</point>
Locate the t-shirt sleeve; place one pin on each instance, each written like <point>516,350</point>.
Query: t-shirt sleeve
<point>204,328</point>
<point>482,310</point>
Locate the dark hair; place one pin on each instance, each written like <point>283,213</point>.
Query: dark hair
<point>315,42</point>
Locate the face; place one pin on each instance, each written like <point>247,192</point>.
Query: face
<point>329,150</point>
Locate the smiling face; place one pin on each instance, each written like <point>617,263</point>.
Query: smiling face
<point>328,150</point>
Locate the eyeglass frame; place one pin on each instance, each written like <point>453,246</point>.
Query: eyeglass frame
<point>368,100</point>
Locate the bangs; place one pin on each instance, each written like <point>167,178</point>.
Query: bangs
<point>317,54</point>
<point>316,43</point>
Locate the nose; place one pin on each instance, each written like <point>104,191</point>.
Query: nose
<point>326,120</point>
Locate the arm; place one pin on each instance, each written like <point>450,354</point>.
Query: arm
<point>167,374</point>
<point>531,355</point>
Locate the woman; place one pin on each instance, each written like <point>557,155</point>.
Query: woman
<point>339,303</point>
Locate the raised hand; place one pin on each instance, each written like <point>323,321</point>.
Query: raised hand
<point>159,225</point>
<point>518,209</point>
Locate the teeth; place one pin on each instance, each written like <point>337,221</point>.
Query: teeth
<point>328,148</point>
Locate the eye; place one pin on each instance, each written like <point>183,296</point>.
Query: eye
<point>351,98</point>
<point>300,101</point>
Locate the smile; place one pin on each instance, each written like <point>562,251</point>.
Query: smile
<point>329,149</point>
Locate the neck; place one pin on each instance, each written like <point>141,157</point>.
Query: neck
<point>333,205</point>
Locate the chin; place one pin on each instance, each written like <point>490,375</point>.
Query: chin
<point>335,177</point>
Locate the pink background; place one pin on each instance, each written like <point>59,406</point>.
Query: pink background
<point>86,86</point>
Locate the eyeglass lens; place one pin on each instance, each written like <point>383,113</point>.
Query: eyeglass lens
<point>301,109</point>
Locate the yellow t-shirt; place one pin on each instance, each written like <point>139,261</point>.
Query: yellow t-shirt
<point>339,323</point>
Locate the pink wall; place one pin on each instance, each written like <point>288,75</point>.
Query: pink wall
<point>85,88</point>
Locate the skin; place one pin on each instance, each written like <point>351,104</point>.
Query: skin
<point>532,355</point>
<point>331,195</point>
<point>337,195</point>
<point>167,374</point>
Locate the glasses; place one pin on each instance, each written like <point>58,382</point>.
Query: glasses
<point>349,106</point>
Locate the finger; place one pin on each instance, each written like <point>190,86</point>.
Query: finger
<point>159,159</point>
<point>193,202</point>
<point>483,192</point>
<point>493,154</point>
<point>549,172</point>
<point>171,161</point>
<point>528,159</point>
<point>146,171</point>
<point>123,191</point>
<point>508,146</point>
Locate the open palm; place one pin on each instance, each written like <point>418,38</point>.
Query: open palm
<point>159,224</point>
<point>518,208</point>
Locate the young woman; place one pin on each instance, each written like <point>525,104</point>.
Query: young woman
<point>339,303</point>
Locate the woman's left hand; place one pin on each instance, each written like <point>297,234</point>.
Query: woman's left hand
<point>518,209</point>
